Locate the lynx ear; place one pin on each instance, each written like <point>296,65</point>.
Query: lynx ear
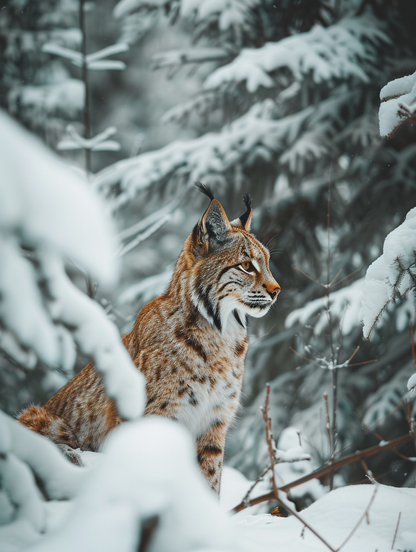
<point>213,228</point>
<point>244,222</point>
<point>215,223</point>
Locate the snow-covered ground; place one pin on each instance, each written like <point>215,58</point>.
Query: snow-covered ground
<point>104,517</point>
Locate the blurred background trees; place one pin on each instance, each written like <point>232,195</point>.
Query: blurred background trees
<point>276,98</point>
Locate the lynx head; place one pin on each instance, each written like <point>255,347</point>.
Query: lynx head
<point>229,268</point>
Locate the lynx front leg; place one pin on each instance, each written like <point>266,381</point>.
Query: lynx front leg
<point>210,451</point>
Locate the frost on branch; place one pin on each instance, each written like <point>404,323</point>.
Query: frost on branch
<point>47,214</point>
<point>392,276</point>
<point>398,104</point>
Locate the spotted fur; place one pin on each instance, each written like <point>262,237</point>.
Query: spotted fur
<point>190,343</point>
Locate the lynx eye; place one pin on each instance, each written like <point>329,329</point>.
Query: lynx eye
<point>247,266</point>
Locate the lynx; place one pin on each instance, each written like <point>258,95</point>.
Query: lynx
<point>190,343</point>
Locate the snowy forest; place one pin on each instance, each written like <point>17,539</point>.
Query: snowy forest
<point>110,112</point>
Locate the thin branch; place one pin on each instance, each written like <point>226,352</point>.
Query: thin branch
<point>260,477</point>
<point>328,423</point>
<point>320,472</point>
<point>301,356</point>
<point>310,278</point>
<point>412,341</point>
<point>335,277</point>
<point>397,528</point>
<point>348,276</point>
<point>353,355</point>
<point>364,362</point>
<point>269,437</point>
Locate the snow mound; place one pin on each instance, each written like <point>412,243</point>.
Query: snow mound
<point>334,517</point>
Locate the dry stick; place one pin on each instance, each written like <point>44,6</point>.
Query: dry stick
<point>397,528</point>
<point>328,424</point>
<point>320,472</point>
<point>365,514</point>
<point>246,498</point>
<point>269,437</point>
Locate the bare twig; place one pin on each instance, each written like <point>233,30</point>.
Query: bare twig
<point>269,437</point>
<point>320,472</point>
<point>328,423</point>
<point>310,277</point>
<point>346,277</point>
<point>301,356</point>
<point>395,533</point>
<point>246,498</point>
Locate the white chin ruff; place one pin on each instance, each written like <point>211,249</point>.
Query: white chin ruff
<point>257,312</point>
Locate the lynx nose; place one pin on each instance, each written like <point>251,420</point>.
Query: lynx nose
<point>272,289</point>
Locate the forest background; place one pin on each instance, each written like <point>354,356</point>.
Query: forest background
<point>279,99</point>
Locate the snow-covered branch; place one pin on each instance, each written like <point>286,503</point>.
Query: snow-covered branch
<point>391,276</point>
<point>335,52</point>
<point>398,104</point>
<point>49,211</point>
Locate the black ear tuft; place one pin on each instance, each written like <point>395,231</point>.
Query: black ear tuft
<point>247,201</point>
<point>204,189</point>
<point>245,218</point>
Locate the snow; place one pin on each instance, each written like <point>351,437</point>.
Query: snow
<point>97,337</point>
<point>334,517</point>
<point>42,198</point>
<point>411,384</point>
<point>398,87</point>
<point>60,478</point>
<point>398,99</point>
<point>382,283</point>
<point>133,482</point>
<point>325,53</point>
<point>147,468</point>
